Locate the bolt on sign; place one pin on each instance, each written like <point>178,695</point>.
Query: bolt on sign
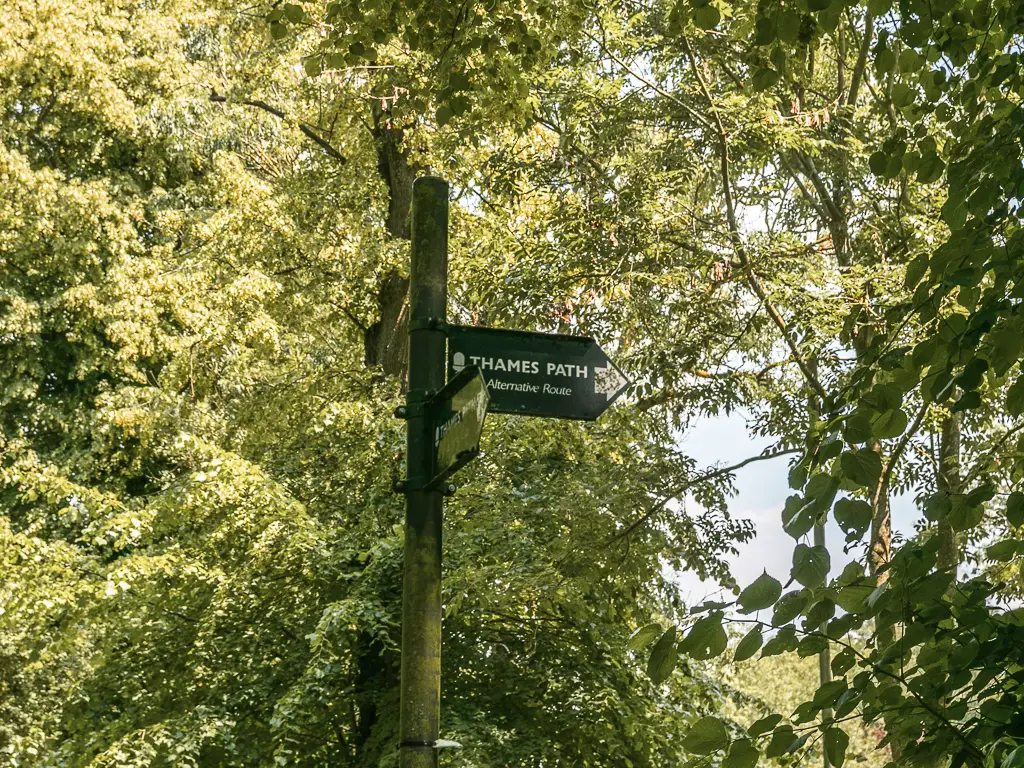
<point>538,374</point>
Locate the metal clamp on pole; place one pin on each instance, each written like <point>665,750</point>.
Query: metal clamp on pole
<point>428,324</point>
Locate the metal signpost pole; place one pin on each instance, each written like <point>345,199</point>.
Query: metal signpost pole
<point>421,593</point>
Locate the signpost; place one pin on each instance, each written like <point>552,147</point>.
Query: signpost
<point>538,374</point>
<point>532,374</point>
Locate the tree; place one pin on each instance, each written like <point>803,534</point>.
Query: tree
<point>198,540</point>
<point>941,349</point>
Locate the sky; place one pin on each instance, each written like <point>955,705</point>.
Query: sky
<point>762,490</point>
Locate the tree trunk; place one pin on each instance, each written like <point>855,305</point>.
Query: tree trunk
<point>386,345</point>
<point>386,342</point>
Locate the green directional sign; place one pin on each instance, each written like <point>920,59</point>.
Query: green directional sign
<point>458,412</point>
<point>538,374</point>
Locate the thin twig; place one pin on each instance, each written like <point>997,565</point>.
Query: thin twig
<point>711,475</point>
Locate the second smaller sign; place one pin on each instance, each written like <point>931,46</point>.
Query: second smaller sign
<point>459,411</point>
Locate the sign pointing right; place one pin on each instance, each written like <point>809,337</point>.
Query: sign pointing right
<point>538,374</point>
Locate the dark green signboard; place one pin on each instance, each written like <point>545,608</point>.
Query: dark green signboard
<point>458,421</point>
<point>537,374</point>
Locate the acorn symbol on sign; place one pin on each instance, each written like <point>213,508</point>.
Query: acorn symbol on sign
<point>458,361</point>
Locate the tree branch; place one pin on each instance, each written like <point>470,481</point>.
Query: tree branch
<point>862,59</point>
<point>660,91</point>
<point>734,233</point>
<point>304,127</point>
<point>710,475</point>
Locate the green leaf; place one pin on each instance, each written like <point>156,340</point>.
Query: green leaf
<point>930,168</point>
<point>789,607</point>
<point>443,115</point>
<point>707,17</point>
<point>820,612</point>
<point>915,271</point>
<point>890,424</point>
<point>863,467</point>
<point>764,79</point>
<point>763,592</point>
<point>278,31</point>
<point>1003,551</point>
<point>984,492</point>
<point>878,162</point>
<point>293,13</point>
<point>663,657</point>
<point>836,742</point>
<point>784,641</point>
<point>973,373</point>
<point>962,516</point>
<point>822,489</point>
<point>742,754</point>
<point>798,474</point>
<point>798,516</point>
<point>829,692</point>
<point>1015,397</point>
<point>643,637</point>
<point>968,402</point>
<point>879,7</point>
<point>706,639</point>
<point>764,725</point>
<point>705,736</point>
<point>846,703</point>
<point>843,662</point>
<point>937,506</point>
<point>764,31</point>
<point>810,565</point>
<point>1015,509</point>
<point>954,212</point>
<point>788,23</point>
<point>1015,759</point>
<point>818,5</point>
<point>857,428</point>
<point>851,598</point>
<point>853,516</point>
<point>749,645</point>
<point>1005,346</point>
<point>311,65</point>
<point>783,741</point>
<point>811,645</point>
<point>885,60</point>
<point>829,449</point>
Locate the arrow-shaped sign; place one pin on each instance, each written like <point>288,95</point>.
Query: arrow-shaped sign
<point>538,374</point>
